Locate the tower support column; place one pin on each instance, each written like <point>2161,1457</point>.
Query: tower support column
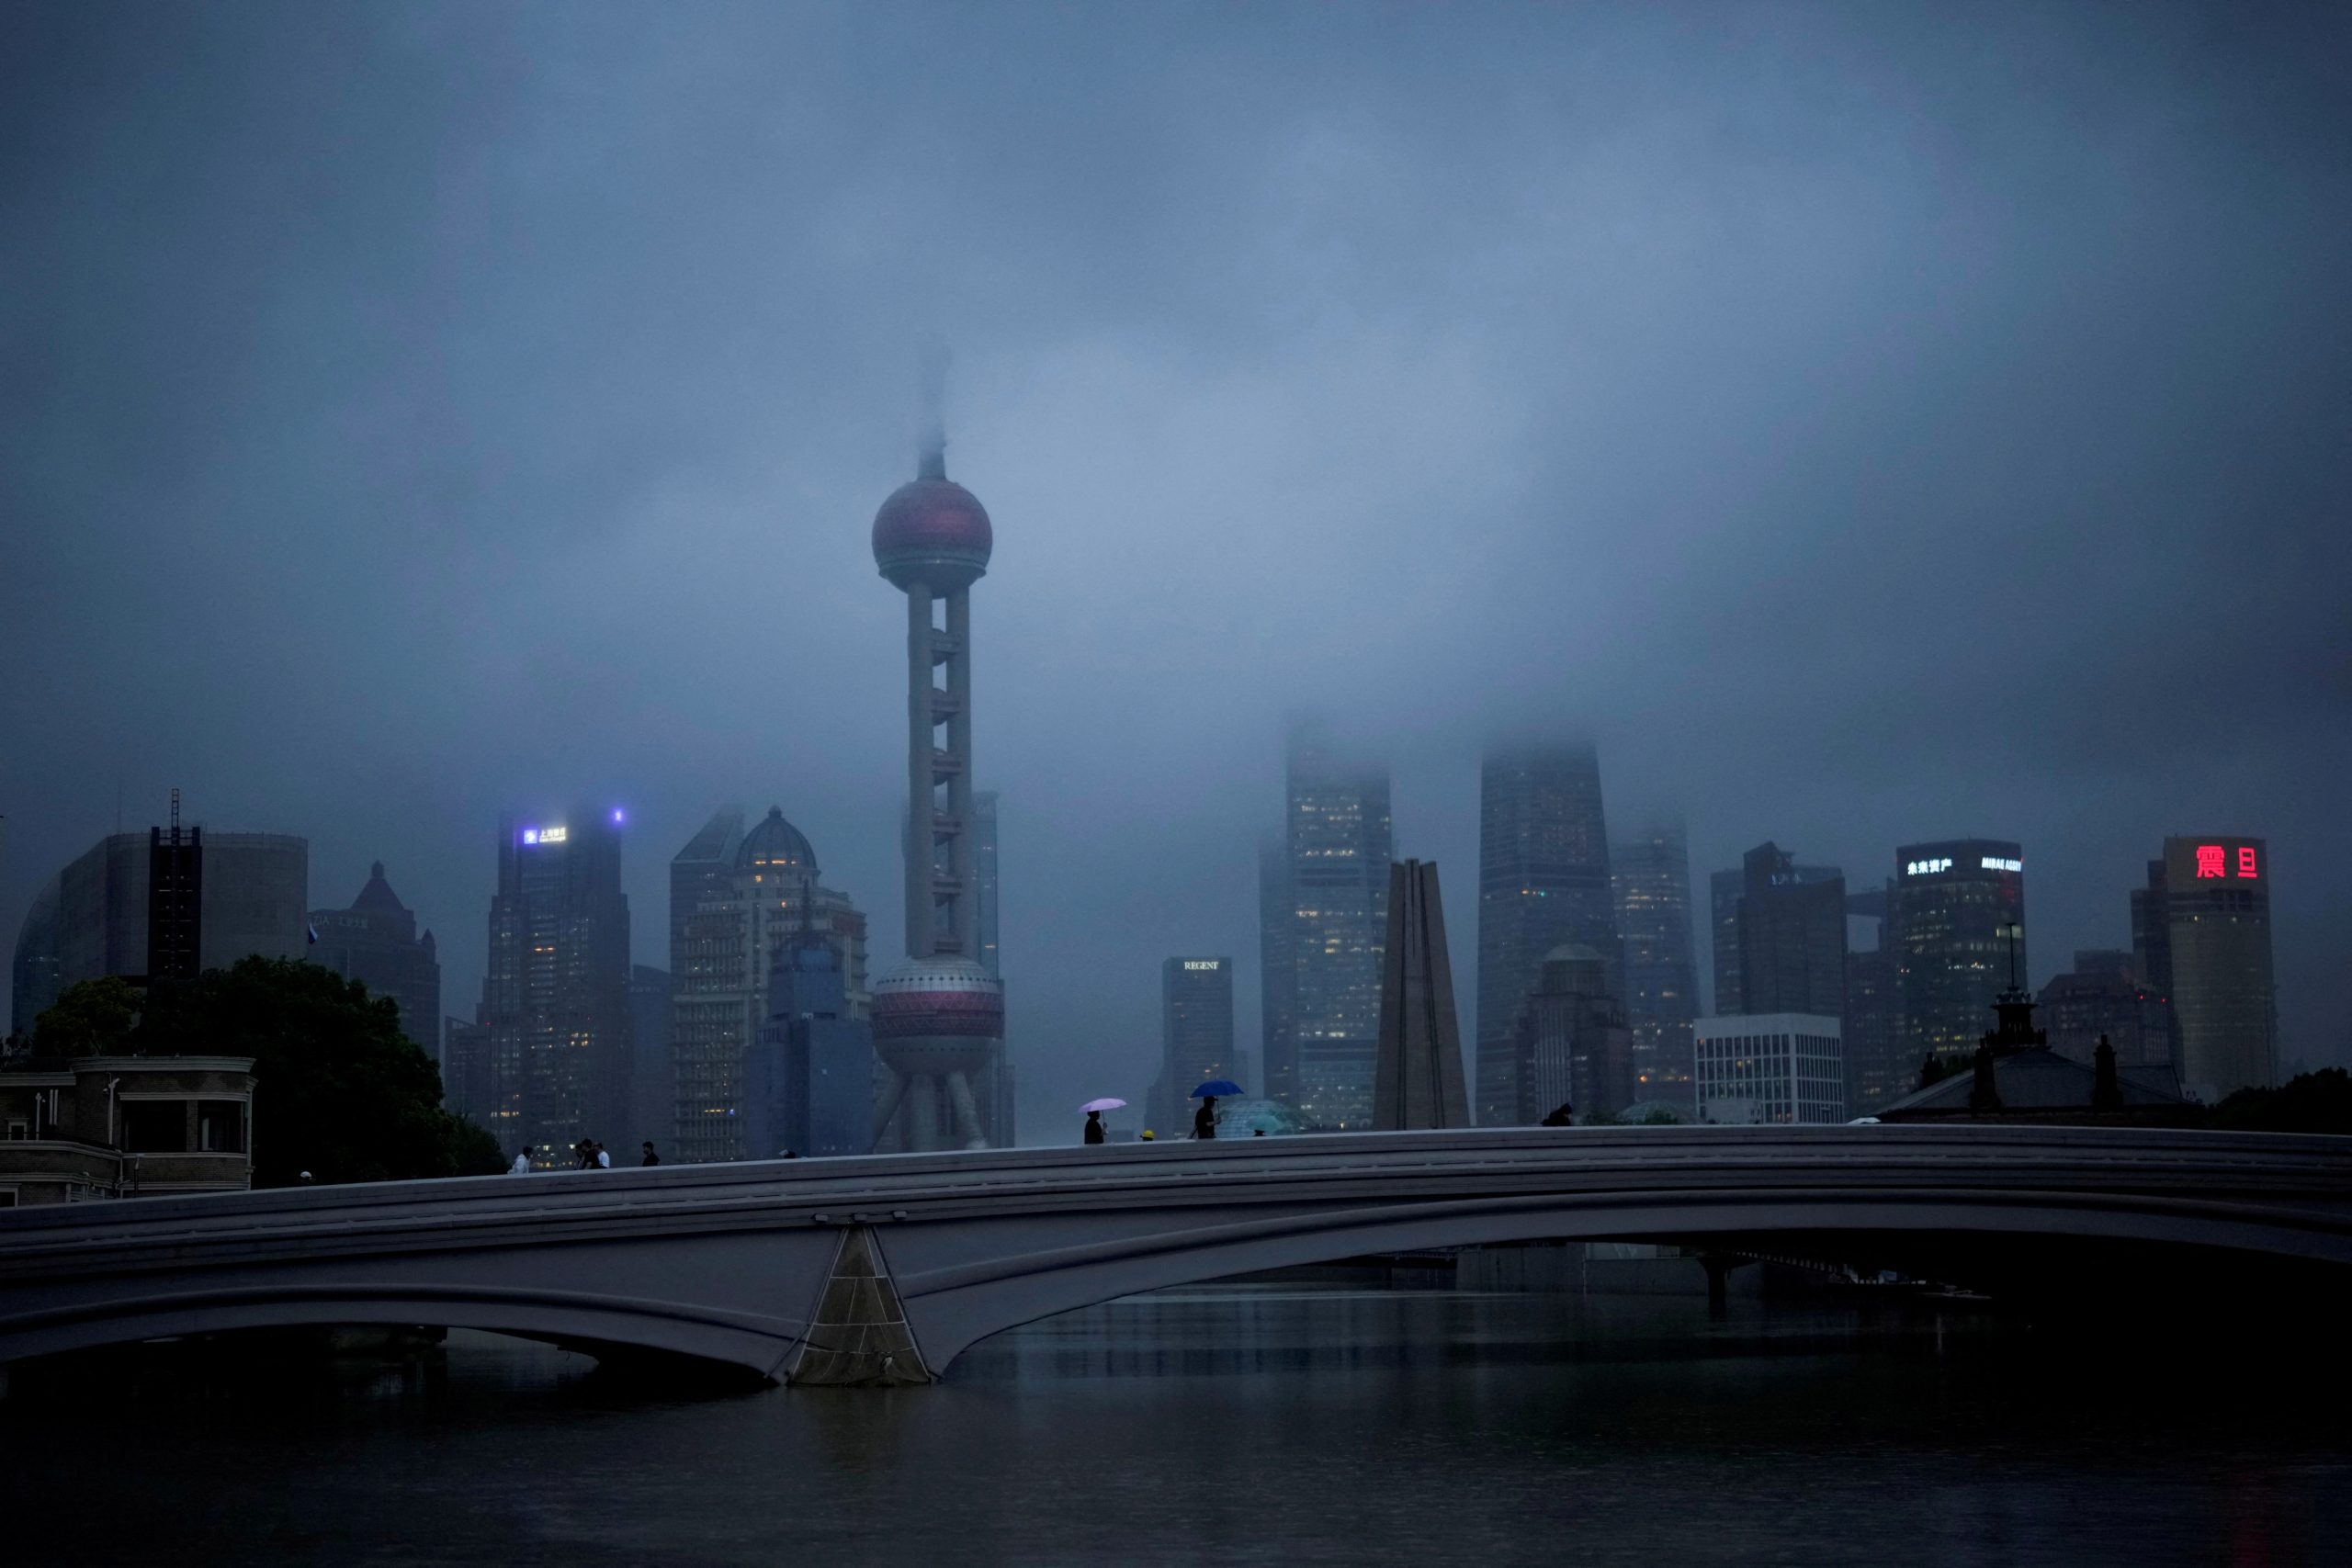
<point>961,927</point>
<point>921,920</point>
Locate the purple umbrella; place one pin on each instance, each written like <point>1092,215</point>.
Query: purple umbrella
<point>1102,1105</point>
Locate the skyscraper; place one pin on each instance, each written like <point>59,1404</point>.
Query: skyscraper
<point>1195,1035</point>
<point>939,1017</point>
<point>37,973</point>
<point>2103,997</point>
<point>2216,902</point>
<point>1724,889</point>
<point>984,915</point>
<point>1277,974</point>
<point>555,995</point>
<point>998,1110</point>
<point>809,1087</point>
<point>93,918</point>
<point>1543,881</point>
<point>1338,846</point>
<point>1572,1041</point>
<point>1792,936</point>
<point>652,1082</point>
<point>467,1087</point>
<point>2152,949</point>
<point>737,900</point>
<point>1877,1071</point>
<point>376,943</point>
<point>1650,875</point>
<point>1951,902</point>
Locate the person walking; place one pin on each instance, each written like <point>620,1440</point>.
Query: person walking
<point>1204,1119</point>
<point>604,1157</point>
<point>1094,1133</point>
<point>522,1166</point>
<point>651,1158</point>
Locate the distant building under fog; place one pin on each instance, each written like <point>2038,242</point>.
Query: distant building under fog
<point>376,943</point>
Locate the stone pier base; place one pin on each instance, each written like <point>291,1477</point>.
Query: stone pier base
<point>858,1336</point>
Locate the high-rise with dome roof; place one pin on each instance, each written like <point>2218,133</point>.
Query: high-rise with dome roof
<point>939,1017</point>
<point>376,943</point>
<point>737,900</point>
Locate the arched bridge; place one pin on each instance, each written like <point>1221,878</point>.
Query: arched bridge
<point>883,1268</point>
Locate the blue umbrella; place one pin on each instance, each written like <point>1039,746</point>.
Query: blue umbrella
<point>1217,1085</point>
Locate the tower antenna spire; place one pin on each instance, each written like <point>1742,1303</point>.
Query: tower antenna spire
<point>931,410</point>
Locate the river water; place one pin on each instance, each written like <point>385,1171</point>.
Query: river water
<point>1245,1423</point>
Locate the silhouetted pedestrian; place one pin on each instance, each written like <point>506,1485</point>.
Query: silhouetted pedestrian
<point>603,1160</point>
<point>1204,1119</point>
<point>522,1166</point>
<point>1094,1133</point>
<point>1564,1115</point>
<point>651,1158</point>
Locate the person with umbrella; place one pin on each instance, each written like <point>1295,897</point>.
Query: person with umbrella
<point>1094,1109</point>
<point>1204,1119</point>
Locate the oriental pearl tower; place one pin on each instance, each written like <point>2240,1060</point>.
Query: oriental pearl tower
<point>939,1017</point>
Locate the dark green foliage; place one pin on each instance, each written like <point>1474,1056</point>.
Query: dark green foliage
<point>2315,1102</point>
<point>338,1090</point>
<point>90,1018</point>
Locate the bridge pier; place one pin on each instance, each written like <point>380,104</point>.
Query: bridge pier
<point>1719,1266</point>
<point>858,1336</point>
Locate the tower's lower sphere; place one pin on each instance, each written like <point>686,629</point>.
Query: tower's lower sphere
<point>936,1016</point>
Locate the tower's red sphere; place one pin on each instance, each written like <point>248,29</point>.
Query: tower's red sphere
<point>934,532</point>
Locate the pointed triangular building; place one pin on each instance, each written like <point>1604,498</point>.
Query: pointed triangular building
<point>1417,1080</point>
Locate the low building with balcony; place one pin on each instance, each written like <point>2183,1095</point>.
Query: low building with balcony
<point>73,1129</point>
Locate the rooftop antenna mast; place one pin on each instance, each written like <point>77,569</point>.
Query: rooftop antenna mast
<point>930,409</point>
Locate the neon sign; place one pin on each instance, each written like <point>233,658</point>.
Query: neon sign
<point>1204,964</point>
<point>1995,862</point>
<point>1926,867</point>
<point>544,835</point>
<point>2212,862</point>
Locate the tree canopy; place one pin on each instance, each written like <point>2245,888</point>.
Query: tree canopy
<point>90,1018</point>
<point>339,1090</point>
<point>2314,1103</point>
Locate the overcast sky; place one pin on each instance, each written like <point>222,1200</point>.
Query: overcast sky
<point>1871,425</point>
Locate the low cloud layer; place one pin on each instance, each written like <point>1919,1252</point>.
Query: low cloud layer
<point>1871,425</point>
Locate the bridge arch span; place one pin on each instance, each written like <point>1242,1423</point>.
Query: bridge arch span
<point>1974,1236</point>
<point>731,1263</point>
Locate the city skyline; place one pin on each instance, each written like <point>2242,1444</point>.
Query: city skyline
<point>629,565</point>
<point>1702,647</point>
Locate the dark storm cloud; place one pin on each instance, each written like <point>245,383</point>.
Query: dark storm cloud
<point>1871,424</point>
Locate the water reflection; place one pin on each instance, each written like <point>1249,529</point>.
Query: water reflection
<point>1244,1423</point>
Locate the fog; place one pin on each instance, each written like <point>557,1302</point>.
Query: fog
<point>1871,424</point>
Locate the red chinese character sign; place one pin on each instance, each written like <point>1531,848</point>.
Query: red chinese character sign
<point>2188,862</point>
